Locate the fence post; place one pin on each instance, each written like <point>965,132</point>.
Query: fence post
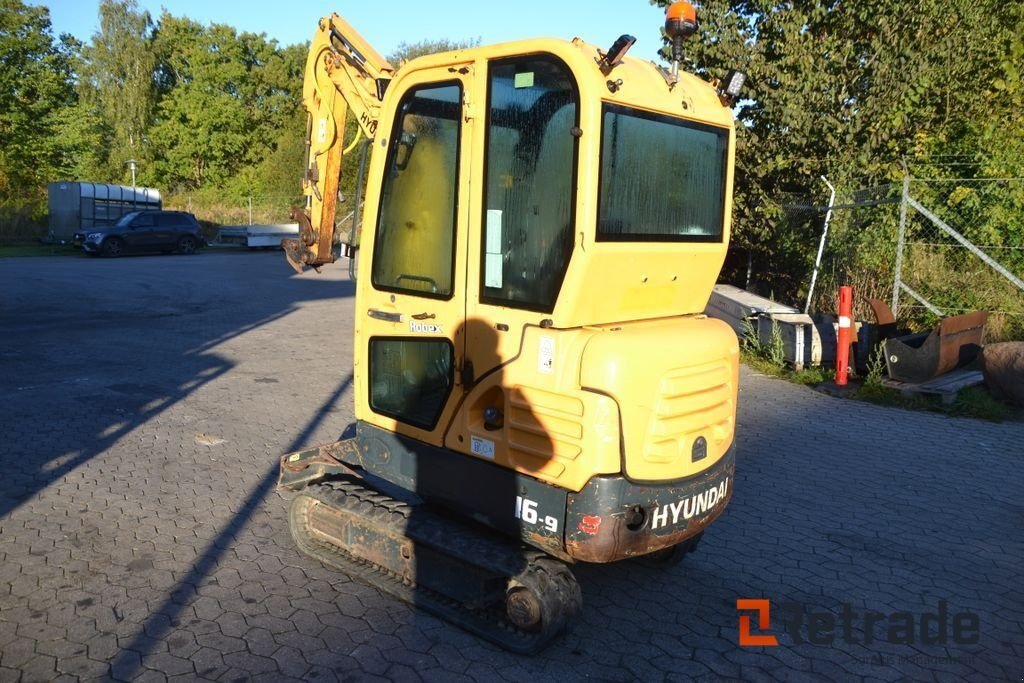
<point>897,279</point>
<point>821,244</point>
<point>250,209</point>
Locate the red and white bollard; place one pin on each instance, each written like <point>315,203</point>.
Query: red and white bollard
<point>843,341</point>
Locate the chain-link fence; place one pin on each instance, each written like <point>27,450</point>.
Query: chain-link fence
<point>962,250</point>
<point>850,234</point>
<point>932,246</point>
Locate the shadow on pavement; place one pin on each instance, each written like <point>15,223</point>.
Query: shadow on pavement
<point>93,350</point>
<point>129,660</point>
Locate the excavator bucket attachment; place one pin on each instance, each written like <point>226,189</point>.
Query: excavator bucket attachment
<point>298,251</point>
<point>953,344</point>
<point>885,327</point>
<point>293,254</point>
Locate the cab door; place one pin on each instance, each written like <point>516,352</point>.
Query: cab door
<point>411,300</point>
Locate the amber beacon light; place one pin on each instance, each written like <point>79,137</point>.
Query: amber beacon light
<point>680,24</point>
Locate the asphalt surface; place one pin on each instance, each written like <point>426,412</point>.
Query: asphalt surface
<point>144,402</point>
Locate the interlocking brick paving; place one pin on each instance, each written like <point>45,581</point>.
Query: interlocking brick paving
<point>145,401</point>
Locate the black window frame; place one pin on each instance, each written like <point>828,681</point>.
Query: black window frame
<point>143,216</point>
<point>574,181</point>
<point>126,219</point>
<point>674,120</point>
<point>169,220</point>
<point>423,340</point>
<point>396,132</point>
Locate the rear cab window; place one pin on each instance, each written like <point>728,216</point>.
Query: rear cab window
<point>662,178</point>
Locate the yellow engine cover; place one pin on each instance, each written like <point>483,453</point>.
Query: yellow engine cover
<point>675,381</point>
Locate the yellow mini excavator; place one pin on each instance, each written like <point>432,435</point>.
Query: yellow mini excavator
<point>535,382</point>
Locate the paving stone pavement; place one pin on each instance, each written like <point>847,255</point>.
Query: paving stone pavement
<point>144,402</point>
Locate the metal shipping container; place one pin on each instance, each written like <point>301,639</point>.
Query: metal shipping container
<point>77,205</point>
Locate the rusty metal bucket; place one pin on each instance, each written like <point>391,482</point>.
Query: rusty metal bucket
<point>953,344</point>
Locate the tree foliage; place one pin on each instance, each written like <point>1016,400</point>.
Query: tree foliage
<point>116,83</point>
<point>226,99</point>
<point>36,99</point>
<point>406,52</point>
<point>846,89</point>
<point>200,107</point>
<point>835,88</point>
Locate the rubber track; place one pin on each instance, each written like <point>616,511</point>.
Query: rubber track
<point>550,579</point>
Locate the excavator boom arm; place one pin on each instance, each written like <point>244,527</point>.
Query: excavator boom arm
<point>342,72</point>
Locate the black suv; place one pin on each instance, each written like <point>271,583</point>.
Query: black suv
<point>163,231</point>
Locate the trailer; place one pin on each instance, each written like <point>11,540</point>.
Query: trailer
<point>76,206</point>
<point>256,236</point>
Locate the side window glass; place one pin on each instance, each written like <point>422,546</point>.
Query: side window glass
<point>410,379</point>
<point>143,220</point>
<point>414,249</point>
<point>638,151</point>
<point>530,190</point>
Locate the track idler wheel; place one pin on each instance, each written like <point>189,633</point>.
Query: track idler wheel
<point>524,609</point>
<point>544,598</point>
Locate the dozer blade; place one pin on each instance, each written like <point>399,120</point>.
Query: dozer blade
<point>302,468</point>
<point>517,598</point>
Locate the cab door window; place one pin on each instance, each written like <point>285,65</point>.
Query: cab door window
<point>531,151</point>
<point>414,250</point>
<point>410,379</point>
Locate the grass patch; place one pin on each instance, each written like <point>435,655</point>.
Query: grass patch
<point>808,376</point>
<point>7,250</point>
<point>769,357</point>
<point>975,402</point>
<point>765,357</point>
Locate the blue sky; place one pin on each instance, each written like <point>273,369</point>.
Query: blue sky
<point>293,21</point>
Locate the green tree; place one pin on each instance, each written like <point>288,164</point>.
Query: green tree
<point>36,95</point>
<point>226,97</point>
<point>117,86</point>
<point>846,89</point>
<point>406,52</point>
<point>279,175</point>
<point>79,145</point>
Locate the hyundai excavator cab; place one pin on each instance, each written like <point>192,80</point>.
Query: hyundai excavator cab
<point>535,382</point>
